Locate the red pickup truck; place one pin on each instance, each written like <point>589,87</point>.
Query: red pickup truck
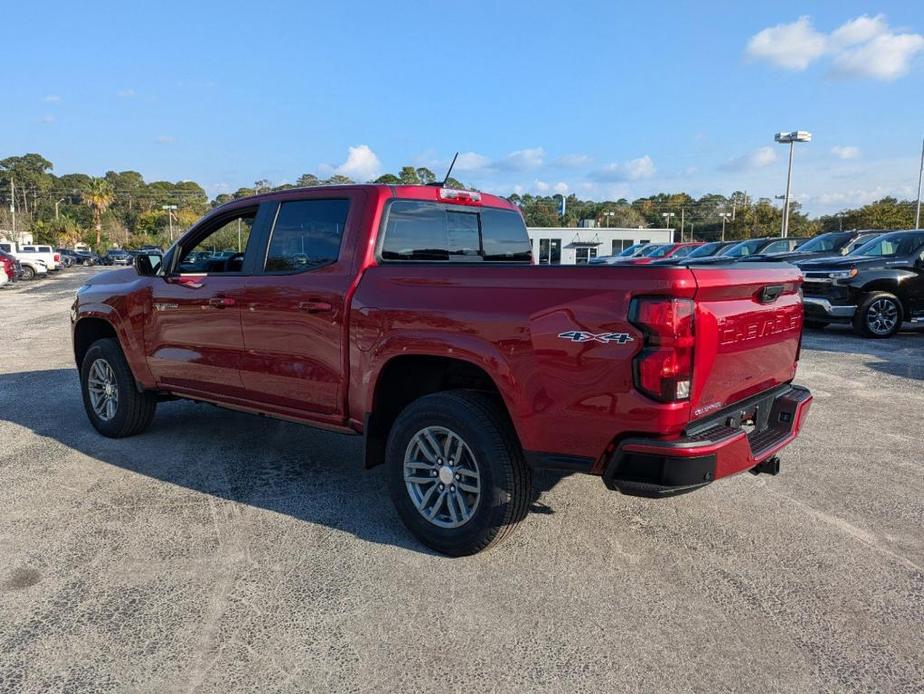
<point>415,317</point>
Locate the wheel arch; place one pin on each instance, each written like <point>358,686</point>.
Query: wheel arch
<point>407,377</point>
<point>94,324</point>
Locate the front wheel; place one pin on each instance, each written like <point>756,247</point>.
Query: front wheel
<point>28,273</point>
<point>114,405</point>
<point>456,472</point>
<point>879,315</point>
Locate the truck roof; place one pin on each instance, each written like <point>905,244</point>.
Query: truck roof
<point>404,192</point>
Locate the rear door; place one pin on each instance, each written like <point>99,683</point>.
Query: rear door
<point>748,330</point>
<point>192,332</point>
<point>293,311</point>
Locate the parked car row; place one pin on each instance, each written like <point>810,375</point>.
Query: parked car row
<point>871,280</point>
<point>32,261</point>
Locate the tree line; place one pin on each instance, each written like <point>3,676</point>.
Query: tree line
<point>121,208</point>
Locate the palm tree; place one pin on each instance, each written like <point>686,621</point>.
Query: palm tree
<point>98,197</point>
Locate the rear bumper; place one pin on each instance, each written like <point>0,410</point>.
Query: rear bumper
<point>717,448</point>
<point>816,307</point>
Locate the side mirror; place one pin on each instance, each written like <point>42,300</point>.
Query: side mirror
<point>143,265</point>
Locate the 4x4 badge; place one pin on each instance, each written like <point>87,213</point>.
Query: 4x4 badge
<point>581,336</point>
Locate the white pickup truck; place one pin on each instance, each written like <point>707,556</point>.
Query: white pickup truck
<point>43,252</point>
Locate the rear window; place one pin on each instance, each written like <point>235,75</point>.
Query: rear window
<point>418,230</point>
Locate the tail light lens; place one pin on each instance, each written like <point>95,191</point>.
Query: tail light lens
<point>57,257</point>
<point>664,368</point>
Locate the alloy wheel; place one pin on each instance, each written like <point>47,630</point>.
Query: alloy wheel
<point>103,389</point>
<point>442,477</point>
<point>882,316</point>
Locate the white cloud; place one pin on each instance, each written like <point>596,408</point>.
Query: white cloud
<point>520,160</point>
<point>126,93</point>
<point>631,170</point>
<point>573,161</point>
<point>861,47</point>
<point>886,57</point>
<point>48,119</point>
<point>758,159</point>
<point>52,99</point>
<point>523,160</point>
<point>544,188</point>
<point>859,30</point>
<point>361,164</point>
<point>845,151</point>
<point>471,161</point>
<point>165,139</point>
<point>793,46</point>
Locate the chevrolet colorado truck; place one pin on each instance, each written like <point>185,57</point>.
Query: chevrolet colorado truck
<point>415,317</point>
<point>875,288</point>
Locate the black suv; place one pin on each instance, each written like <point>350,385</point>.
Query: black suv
<point>831,245</point>
<point>876,287</point>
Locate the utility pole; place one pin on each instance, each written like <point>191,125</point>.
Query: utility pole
<point>917,212</point>
<point>13,206</point>
<point>681,224</point>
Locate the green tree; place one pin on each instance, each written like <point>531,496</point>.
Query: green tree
<point>98,197</point>
<point>338,180</point>
<point>425,176</point>
<point>408,175</point>
<point>30,174</point>
<point>307,180</point>
<point>388,179</point>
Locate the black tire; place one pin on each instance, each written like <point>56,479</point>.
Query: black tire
<point>28,273</point>
<point>133,410</point>
<point>504,478</point>
<point>874,316</point>
<point>816,324</point>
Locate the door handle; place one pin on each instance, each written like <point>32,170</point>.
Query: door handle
<point>315,306</point>
<point>221,302</point>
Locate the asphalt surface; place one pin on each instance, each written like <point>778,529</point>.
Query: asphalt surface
<point>221,552</point>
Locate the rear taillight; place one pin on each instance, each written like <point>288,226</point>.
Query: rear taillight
<point>664,368</point>
<point>57,257</point>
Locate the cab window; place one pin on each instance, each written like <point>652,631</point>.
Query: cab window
<point>222,249</point>
<point>306,235</point>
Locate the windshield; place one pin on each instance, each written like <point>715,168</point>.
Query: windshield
<point>742,249</point>
<point>890,245</point>
<point>658,251</point>
<point>705,250</point>
<point>631,250</point>
<point>825,243</point>
<point>651,250</point>
<point>684,251</point>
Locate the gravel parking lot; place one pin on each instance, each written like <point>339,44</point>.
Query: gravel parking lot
<point>221,551</point>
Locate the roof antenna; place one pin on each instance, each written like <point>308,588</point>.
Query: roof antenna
<point>442,184</point>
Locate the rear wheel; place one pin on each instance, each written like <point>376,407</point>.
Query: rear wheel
<point>114,405</point>
<point>456,472</point>
<point>879,315</point>
<point>28,273</point>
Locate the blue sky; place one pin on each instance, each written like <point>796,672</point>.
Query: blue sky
<point>602,99</point>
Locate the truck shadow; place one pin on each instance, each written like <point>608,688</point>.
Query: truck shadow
<point>311,475</point>
<point>902,355</point>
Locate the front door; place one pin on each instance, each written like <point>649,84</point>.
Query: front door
<point>192,334</point>
<point>293,311</point>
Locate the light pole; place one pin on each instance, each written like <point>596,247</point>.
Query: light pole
<point>169,209</point>
<point>790,138</point>
<point>58,202</point>
<point>667,220</point>
<point>917,211</point>
<point>724,216</point>
<point>607,216</point>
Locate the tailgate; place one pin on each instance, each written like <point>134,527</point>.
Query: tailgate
<point>748,330</point>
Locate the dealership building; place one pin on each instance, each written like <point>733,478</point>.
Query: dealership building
<point>577,245</point>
